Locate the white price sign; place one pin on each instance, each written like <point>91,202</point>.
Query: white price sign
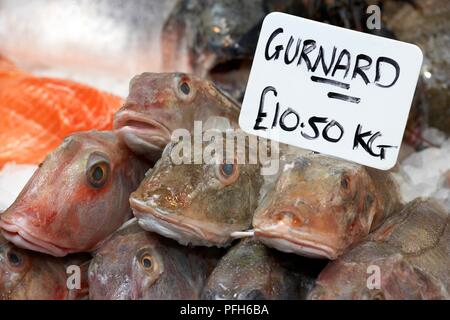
<point>330,89</point>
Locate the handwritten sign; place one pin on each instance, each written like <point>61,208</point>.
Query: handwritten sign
<point>330,90</point>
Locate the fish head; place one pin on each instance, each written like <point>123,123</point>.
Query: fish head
<point>200,204</point>
<point>77,197</point>
<point>28,275</point>
<point>246,272</point>
<point>125,266</point>
<point>159,103</point>
<point>372,271</point>
<point>136,264</point>
<point>318,207</point>
<point>14,265</point>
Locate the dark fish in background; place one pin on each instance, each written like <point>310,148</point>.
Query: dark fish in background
<point>159,103</point>
<point>77,198</point>
<point>27,275</point>
<point>251,271</point>
<point>411,252</point>
<point>199,204</point>
<point>319,205</point>
<point>218,37</point>
<point>135,264</point>
<point>427,25</point>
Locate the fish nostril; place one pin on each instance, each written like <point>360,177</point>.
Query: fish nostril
<point>289,217</point>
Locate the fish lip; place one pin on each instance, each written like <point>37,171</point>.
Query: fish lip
<point>201,235</point>
<point>305,247</point>
<point>149,129</point>
<point>24,239</point>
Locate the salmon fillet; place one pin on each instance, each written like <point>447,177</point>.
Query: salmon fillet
<point>37,113</point>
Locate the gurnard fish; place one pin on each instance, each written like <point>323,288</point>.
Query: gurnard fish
<point>217,39</point>
<point>36,113</point>
<point>27,275</point>
<point>77,197</point>
<point>159,103</point>
<point>319,205</point>
<point>198,204</point>
<point>406,258</point>
<point>135,264</point>
<point>427,25</point>
<point>251,271</point>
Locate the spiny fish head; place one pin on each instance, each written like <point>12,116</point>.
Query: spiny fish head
<point>126,266</point>
<point>245,273</point>
<point>28,275</point>
<point>135,264</point>
<point>77,197</point>
<point>160,103</point>
<point>318,207</point>
<point>14,265</point>
<point>373,271</point>
<point>197,203</point>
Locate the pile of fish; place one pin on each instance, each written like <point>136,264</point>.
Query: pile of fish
<point>315,209</point>
<point>109,215</point>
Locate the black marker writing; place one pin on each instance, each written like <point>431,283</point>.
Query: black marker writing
<point>367,146</point>
<point>314,58</point>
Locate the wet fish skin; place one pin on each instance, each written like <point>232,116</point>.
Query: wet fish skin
<point>27,275</point>
<point>411,250</point>
<point>218,38</point>
<point>319,206</point>
<point>77,197</point>
<point>252,271</point>
<point>159,103</point>
<point>197,204</point>
<point>135,264</point>
<point>427,25</point>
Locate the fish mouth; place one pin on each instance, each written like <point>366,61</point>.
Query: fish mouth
<point>24,239</point>
<point>141,133</point>
<point>184,230</point>
<point>304,244</point>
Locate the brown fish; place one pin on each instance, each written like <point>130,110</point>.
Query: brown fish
<point>159,103</point>
<point>427,25</point>
<point>135,264</point>
<point>27,275</point>
<point>251,271</point>
<point>77,197</point>
<point>199,204</point>
<point>320,205</point>
<point>410,253</point>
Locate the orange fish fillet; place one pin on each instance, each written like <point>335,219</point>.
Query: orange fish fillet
<point>37,113</point>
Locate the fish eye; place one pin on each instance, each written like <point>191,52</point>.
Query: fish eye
<point>345,182</point>
<point>14,258</point>
<point>184,87</point>
<point>227,173</point>
<point>147,262</point>
<point>227,169</point>
<point>98,170</point>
